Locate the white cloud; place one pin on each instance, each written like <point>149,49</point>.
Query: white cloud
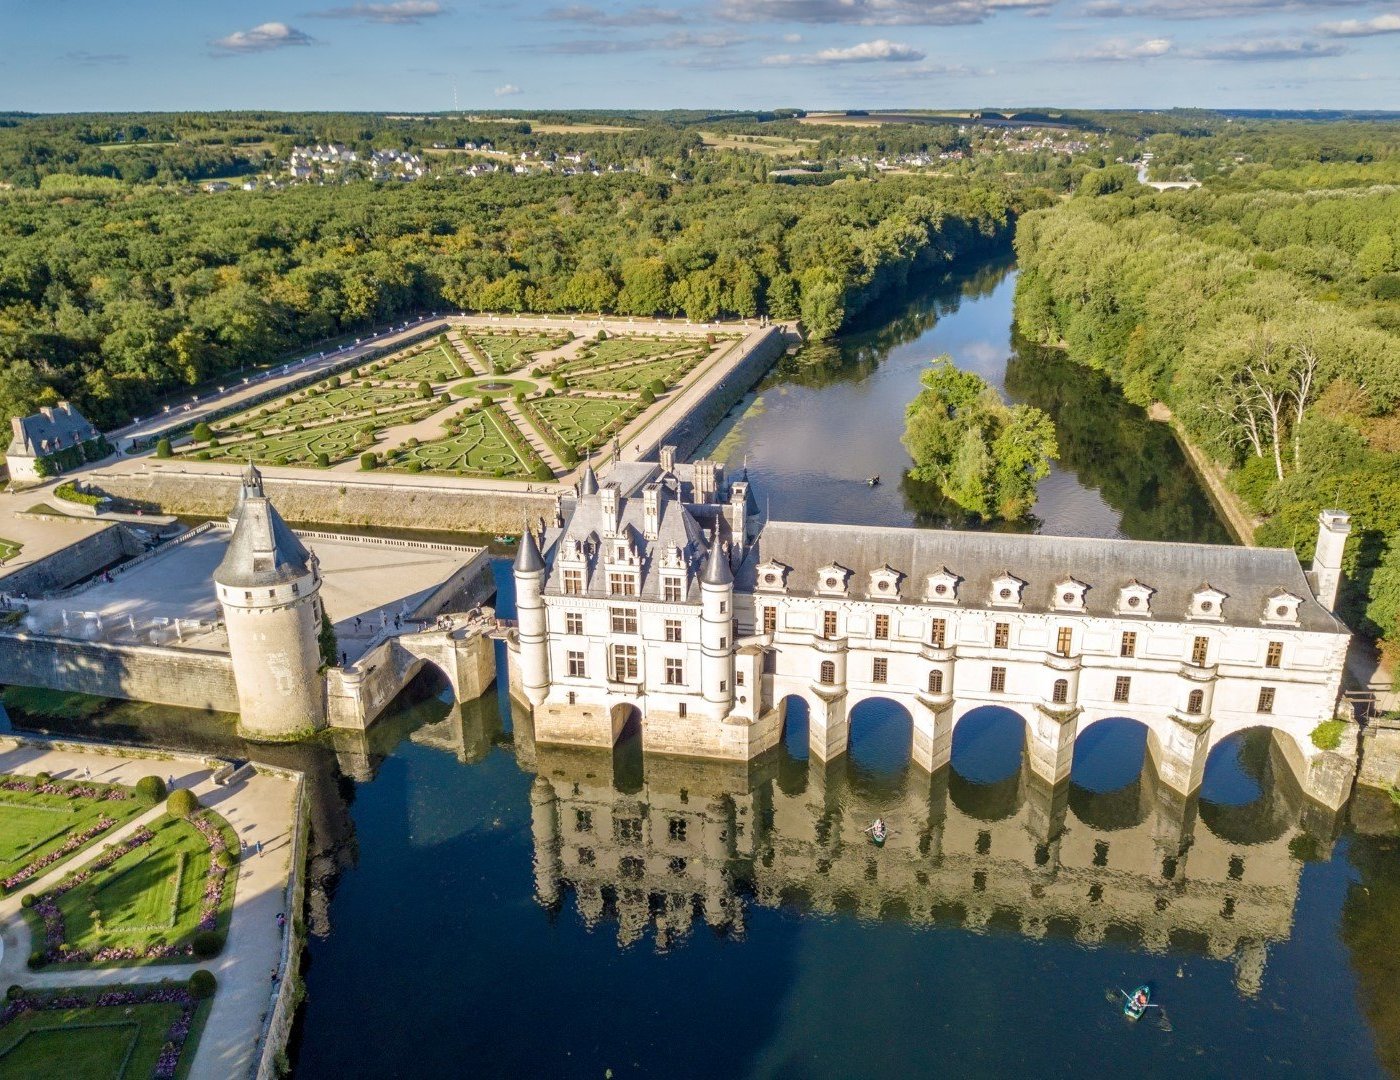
<point>509,90</point>
<point>1265,51</point>
<point>1381,24</point>
<point>1117,49</point>
<point>875,12</point>
<point>1203,9</point>
<point>594,16</point>
<point>792,39</point>
<point>261,38</point>
<point>880,50</point>
<point>398,13</point>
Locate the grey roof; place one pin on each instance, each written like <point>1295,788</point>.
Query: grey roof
<point>51,428</point>
<point>588,485</point>
<point>262,551</point>
<point>1248,576</point>
<point>527,558</point>
<point>717,571</point>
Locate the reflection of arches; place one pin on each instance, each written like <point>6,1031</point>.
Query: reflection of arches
<point>1250,792</point>
<point>1108,783</point>
<point>881,735</point>
<point>988,758</point>
<point>627,749</point>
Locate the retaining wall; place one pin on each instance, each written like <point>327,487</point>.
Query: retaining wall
<point>80,559</point>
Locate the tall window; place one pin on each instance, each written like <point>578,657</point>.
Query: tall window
<point>828,624</point>
<point>675,672</point>
<point>622,584</point>
<point>573,622</point>
<point>770,619</point>
<point>673,629</point>
<point>880,669</point>
<point>573,582</point>
<point>1064,640</point>
<point>882,627</point>
<point>939,635</point>
<point>935,681</point>
<point>671,590</point>
<point>1059,694</point>
<point>1127,645</point>
<point>998,685</point>
<point>1199,648</point>
<point>624,663</point>
<point>577,668</point>
<point>1195,702</point>
<point>828,672</point>
<point>1266,699</point>
<point>624,620</point>
<point>1001,637</point>
<point>1274,657</point>
<point>1121,686</point>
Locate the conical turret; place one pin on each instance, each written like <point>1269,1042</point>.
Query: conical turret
<point>589,484</point>
<point>527,558</point>
<point>717,570</point>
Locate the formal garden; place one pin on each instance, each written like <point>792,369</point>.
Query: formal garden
<point>507,352</point>
<point>8,549</point>
<point>45,822</point>
<point>481,441</point>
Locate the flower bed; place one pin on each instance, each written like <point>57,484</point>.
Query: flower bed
<point>29,850</point>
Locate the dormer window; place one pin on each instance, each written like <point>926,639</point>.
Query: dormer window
<point>771,577</point>
<point>1282,608</point>
<point>1006,590</point>
<point>943,587</point>
<point>884,583</point>
<point>1135,598</point>
<point>831,580</point>
<point>1208,604</point>
<point>1069,595</point>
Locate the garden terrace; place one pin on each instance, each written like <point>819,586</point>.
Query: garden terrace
<point>615,350</point>
<point>345,402</point>
<point>42,826</point>
<point>478,443</point>
<point>338,441</point>
<point>506,352</point>
<point>631,377</point>
<point>147,899</point>
<point>435,362</point>
<point>582,421</point>
<point>101,1032</point>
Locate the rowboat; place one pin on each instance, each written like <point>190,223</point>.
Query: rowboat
<point>1137,1003</point>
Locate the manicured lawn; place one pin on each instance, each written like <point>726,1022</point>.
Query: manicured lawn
<point>8,549</point>
<point>100,1033</point>
<point>633,376</point>
<point>42,829</point>
<point>347,401</point>
<point>142,901</point>
<point>614,349</point>
<point>478,446</point>
<point>476,387</point>
<point>336,441</point>
<point>576,420</point>
<point>437,364</point>
<point>511,352</point>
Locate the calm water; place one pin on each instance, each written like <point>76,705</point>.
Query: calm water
<point>484,906</point>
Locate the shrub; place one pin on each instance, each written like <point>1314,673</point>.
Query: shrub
<point>27,900</point>
<point>213,443</point>
<point>602,335</point>
<point>656,386</point>
<point>411,442</point>
<point>202,432</point>
<point>150,790</point>
<point>42,778</point>
<point>202,984</point>
<point>647,397</point>
<point>1328,734</point>
<point>227,859</point>
<point>487,400</point>
<point>425,389</point>
<point>35,961</point>
<point>323,460</point>
<point>203,455</point>
<point>334,382</point>
<point>543,472</point>
<point>447,397</point>
<point>207,943</point>
<point>14,991</point>
<point>368,461</point>
<point>181,802</point>
<point>163,448</point>
<point>414,466</point>
<point>549,392</point>
<point>519,396</point>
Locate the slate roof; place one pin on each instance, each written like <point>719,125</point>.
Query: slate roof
<point>1248,576</point>
<point>262,551</point>
<point>48,430</point>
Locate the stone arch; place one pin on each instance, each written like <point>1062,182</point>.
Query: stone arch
<point>1109,786</point>
<point>881,734</point>
<point>795,713</point>
<point>1252,787</point>
<point>986,780</point>
<point>628,740</point>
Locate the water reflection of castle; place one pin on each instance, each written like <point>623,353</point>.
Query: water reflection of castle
<point>655,847</point>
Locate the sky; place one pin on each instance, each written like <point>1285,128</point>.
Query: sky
<point>432,55</point>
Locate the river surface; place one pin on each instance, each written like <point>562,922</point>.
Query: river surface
<point>482,906</point>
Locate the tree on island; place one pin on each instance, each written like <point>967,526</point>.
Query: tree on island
<point>983,454</point>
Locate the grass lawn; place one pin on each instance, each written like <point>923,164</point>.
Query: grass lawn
<point>477,446</point>
<point>337,441</point>
<point>146,903</point>
<point>616,349</point>
<point>633,376</point>
<point>512,352</point>
<point>348,402</point>
<point>577,420</point>
<point>437,363</point>
<point>8,549</point>
<point>67,1035</point>
<point>41,830</point>
<point>475,388</point>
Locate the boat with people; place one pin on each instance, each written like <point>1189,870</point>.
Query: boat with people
<point>877,832</point>
<point>873,481</point>
<point>1136,1003</point>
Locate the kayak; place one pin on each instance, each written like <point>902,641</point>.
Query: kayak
<point>1131,1009</point>
<point>506,539</point>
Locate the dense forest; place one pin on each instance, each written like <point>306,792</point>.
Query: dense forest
<point>1264,310</point>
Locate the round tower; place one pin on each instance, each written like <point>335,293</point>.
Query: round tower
<point>716,620</point>
<point>269,588</point>
<point>529,611</point>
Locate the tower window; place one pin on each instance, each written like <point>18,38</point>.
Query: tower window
<point>1001,636</point>
<point>828,672</point>
<point>1274,657</point>
<point>1121,686</point>
<point>1064,640</point>
<point>1060,693</point>
<point>1199,649</point>
<point>939,634</point>
<point>880,669</point>
<point>828,624</point>
<point>1127,645</point>
<point>770,619</point>
<point>935,682</point>
<point>723,606</point>
<point>1195,702</point>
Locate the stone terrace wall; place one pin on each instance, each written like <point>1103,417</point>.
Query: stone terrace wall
<point>196,680</point>
<point>81,559</point>
<point>338,501</point>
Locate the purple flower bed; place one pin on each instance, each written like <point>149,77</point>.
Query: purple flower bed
<point>72,844</point>
<point>71,790</point>
<point>214,884</point>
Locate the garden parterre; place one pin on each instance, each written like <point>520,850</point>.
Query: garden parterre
<point>43,824</point>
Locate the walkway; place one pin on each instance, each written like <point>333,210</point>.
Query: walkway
<point>260,808</point>
<point>526,427</point>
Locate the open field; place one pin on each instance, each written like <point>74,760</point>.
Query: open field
<point>573,129</point>
<point>776,145</point>
<point>43,826</point>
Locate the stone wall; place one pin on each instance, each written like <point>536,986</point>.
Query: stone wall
<point>80,559</point>
<point>186,677</point>
<point>357,500</point>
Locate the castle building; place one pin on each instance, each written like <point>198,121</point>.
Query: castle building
<point>268,586</point>
<point>37,438</point>
<point>660,595</point>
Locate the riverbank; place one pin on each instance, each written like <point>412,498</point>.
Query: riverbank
<point>1241,523</point>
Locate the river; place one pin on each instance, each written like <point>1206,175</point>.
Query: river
<point>483,906</point>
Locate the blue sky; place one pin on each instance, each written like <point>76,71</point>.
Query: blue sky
<point>69,55</point>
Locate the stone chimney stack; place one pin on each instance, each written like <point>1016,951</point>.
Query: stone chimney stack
<point>1333,528</point>
<point>706,484</point>
<point>651,511</point>
<point>668,459</point>
<point>739,513</point>
<point>608,494</point>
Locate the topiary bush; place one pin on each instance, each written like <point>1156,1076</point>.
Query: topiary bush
<point>14,991</point>
<point>42,778</point>
<point>369,461</point>
<point>27,900</point>
<point>202,432</point>
<point>323,460</point>
<point>163,449</point>
<point>647,397</point>
<point>414,466</point>
<point>150,790</point>
<point>202,984</point>
<point>656,386</point>
<point>181,802</point>
<point>543,472</point>
<point>207,944</point>
<point>227,859</point>
<point>425,389</point>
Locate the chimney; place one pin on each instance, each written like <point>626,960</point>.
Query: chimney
<point>608,495</point>
<point>668,459</point>
<point>651,511</point>
<point>1333,528</point>
<point>739,513</point>
<point>704,485</point>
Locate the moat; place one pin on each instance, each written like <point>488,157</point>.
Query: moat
<point>483,905</point>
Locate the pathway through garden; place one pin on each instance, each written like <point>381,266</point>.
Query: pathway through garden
<point>533,437</point>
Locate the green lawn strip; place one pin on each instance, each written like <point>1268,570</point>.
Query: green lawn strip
<point>433,362</point>
<point>509,352</point>
<point>584,422</point>
<point>612,349</point>
<point>478,354</point>
<point>634,376</point>
<point>42,827</point>
<point>528,455</point>
<point>8,549</point>
<point>477,386</point>
<point>565,451</point>
<point>586,364</point>
<point>346,402</point>
<point>338,441</point>
<point>141,902</point>
<point>101,1033</point>
<point>476,444</point>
